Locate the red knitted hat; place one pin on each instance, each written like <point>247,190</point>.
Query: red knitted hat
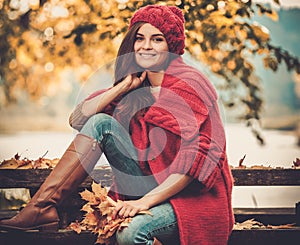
<point>168,19</point>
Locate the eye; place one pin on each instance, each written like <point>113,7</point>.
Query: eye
<point>158,39</point>
<point>139,38</point>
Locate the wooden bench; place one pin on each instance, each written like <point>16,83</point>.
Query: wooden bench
<point>70,209</point>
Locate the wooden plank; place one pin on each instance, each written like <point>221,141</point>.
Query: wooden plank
<point>267,216</point>
<point>265,237</point>
<point>64,237</point>
<point>273,211</point>
<point>266,177</point>
<point>33,178</point>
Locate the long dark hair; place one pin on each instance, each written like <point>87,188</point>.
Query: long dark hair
<point>131,103</point>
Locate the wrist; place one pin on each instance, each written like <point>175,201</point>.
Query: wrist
<point>148,201</point>
<point>122,88</point>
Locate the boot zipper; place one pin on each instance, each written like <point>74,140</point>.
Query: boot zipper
<point>94,145</point>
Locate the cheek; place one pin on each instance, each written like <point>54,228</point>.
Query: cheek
<point>136,47</point>
<point>166,47</point>
<point>163,47</point>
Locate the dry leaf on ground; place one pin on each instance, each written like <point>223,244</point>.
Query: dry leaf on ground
<point>17,162</point>
<point>254,224</point>
<point>286,226</point>
<point>248,224</point>
<point>296,164</point>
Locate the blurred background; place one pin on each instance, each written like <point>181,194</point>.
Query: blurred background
<point>55,53</point>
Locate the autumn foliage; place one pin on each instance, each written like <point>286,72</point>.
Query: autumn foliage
<point>98,216</point>
<point>39,40</point>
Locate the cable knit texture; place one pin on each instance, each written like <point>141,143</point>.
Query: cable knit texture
<point>182,133</point>
<point>168,19</point>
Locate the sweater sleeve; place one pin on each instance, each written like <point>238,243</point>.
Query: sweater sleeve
<point>77,119</point>
<point>200,158</point>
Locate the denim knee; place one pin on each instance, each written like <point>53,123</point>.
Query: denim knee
<point>97,124</point>
<point>133,235</point>
<point>99,118</point>
<point>142,229</point>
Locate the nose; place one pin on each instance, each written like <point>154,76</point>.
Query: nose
<point>147,44</point>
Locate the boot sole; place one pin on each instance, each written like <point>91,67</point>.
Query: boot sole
<point>46,227</point>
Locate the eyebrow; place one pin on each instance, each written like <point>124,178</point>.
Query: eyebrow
<point>154,35</point>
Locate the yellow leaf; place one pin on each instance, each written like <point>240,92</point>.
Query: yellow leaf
<point>145,212</point>
<point>91,219</point>
<point>75,226</point>
<point>105,208</point>
<point>231,64</point>
<point>99,191</point>
<point>101,240</point>
<point>9,164</point>
<point>87,208</point>
<point>273,16</point>
<point>88,196</point>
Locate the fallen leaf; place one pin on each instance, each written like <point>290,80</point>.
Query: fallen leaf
<point>17,156</point>
<point>87,208</point>
<point>296,163</point>
<point>9,164</point>
<point>17,163</point>
<point>254,224</point>
<point>98,217</point>
<point>241,162</point>
<point>88,196</point>
<point>99,191</point>
<point>145,212</point>
<point>286,226</point>
<point>75,226</point>
<point>260,167</point>
<point>248,224</point>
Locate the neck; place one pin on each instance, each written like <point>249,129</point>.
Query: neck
<point>155,78</point>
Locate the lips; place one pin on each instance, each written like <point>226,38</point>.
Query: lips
<point>146,55</point>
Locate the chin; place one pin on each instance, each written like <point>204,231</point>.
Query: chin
<point>154,63</point>
<point>154,66</point>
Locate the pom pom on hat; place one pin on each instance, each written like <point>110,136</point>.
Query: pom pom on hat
<point>168,19</point>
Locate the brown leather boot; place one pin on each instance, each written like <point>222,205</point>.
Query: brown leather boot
<point>74,166</point>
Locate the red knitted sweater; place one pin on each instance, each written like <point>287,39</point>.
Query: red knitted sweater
<point>190,141</point>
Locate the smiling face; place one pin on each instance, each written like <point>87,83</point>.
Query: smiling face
<point>150,47</point>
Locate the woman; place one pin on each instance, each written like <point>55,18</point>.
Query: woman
<point>160,129</point>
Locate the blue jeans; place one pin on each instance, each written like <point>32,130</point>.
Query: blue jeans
<point>121,154</point>
<point>162,224</point>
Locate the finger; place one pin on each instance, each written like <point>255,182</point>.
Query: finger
<point>127,211</point>
<point>143,76</point>
<point>117,209</point>
<point>128,79</point>
<point>122,211</point>
<point>133,213</point>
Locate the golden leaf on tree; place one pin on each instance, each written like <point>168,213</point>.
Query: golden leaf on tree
<point>231,64</point>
